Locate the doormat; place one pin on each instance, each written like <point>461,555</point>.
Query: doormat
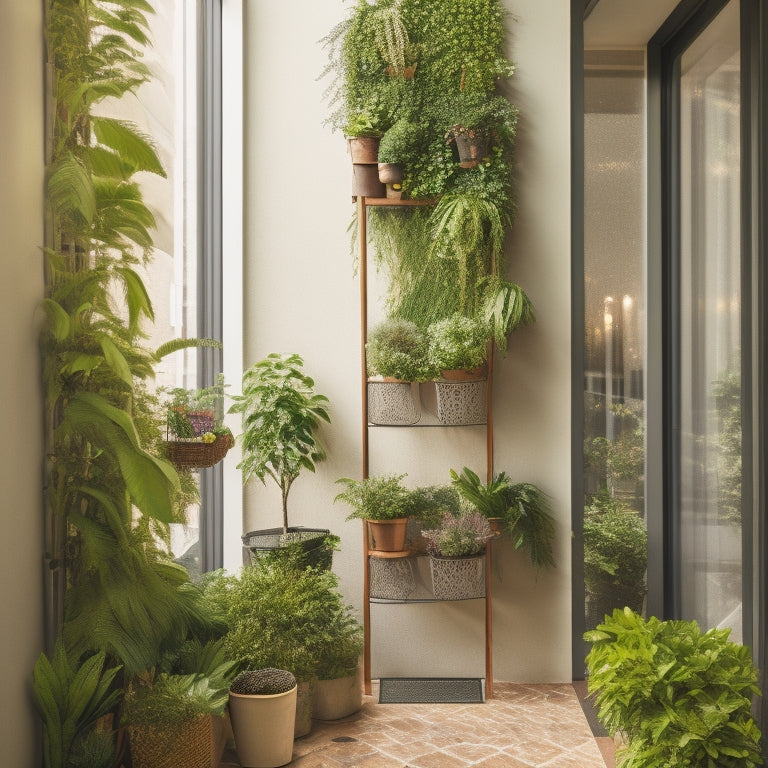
<point>430,690</point>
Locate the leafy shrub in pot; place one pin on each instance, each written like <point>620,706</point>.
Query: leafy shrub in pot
<point>457,343</point>
<point>281,414</point>
<point>397,349</point>
<point>679,696</point>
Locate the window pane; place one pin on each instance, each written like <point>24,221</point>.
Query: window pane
<point>615,541</point>
<point>710,364</point>
<point>165,109</point>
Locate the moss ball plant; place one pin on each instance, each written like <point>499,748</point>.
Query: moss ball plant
<point>263,682</point>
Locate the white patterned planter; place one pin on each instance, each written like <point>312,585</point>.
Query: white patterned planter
<point>458,578</point>
<point>392,403</point>
<point>391,578</point>
<point>462,402</point>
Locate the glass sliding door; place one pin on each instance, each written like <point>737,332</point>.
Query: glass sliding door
<point>709,448</point>
<point>615,540</point>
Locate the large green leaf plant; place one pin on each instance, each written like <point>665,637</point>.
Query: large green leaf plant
<point>110,490</point>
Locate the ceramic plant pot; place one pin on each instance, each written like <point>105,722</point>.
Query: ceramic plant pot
<point>337,698</point>
<point>365,181</point>
<point>387,535</point>
<point>263,727</point>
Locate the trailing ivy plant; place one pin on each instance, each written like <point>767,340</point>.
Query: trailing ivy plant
<point>461,67</point>
<point>679,696</point>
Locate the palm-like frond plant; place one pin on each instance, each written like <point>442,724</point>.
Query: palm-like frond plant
<point>522,508</point>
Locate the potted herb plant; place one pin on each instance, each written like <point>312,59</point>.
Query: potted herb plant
<point>338,692</point>
<point>615,558</point>
<point>458,349</point>
<point>456,550</point>
<point>262,708</point>
<point>384,504</point>
<point>519,510</point>
<point>396,355</point>
<point>281,414</point>
<point>398,147</point>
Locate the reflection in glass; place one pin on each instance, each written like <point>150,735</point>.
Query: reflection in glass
<point>710,358</point>
<point>615,541</point>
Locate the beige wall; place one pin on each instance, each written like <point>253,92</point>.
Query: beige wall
<point>21,235</point>
<point>301,296</point>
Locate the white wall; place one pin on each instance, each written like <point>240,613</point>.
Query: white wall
<point>21,232</point>
<point>300,295</point>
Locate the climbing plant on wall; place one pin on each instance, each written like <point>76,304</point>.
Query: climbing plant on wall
<point>446,90</point>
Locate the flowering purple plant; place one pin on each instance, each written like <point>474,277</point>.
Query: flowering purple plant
<point>459,535</point>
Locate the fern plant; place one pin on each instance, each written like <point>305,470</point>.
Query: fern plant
<point>522,508</point>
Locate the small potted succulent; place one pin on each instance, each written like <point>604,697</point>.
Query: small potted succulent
<point>281,415</point>
<point>384,504</point>
<point>262,708</point>
<point>396,355</point>
<point>456,552</point>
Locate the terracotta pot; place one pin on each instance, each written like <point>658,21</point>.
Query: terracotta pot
<point>480,373</point>
<point>365,181</point>
<point>341,697</point>
<point>387,535</point>
<point>471,149</point>
<point>263,727</point>
<point>364,149</point>
<point>390,173</point>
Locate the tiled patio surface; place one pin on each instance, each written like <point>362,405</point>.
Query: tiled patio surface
<point>521,727</point>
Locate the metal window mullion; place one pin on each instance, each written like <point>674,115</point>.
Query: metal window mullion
<point>209,277</point>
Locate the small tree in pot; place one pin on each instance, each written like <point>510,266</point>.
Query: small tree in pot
<point>281,414</point>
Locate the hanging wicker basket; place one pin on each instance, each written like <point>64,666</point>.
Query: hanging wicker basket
<point>195,454</point>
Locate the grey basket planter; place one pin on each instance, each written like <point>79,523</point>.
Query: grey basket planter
<point>392,403</point>
<point>458,578</point>
<point>391,578</point>
<point>462,402</point>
